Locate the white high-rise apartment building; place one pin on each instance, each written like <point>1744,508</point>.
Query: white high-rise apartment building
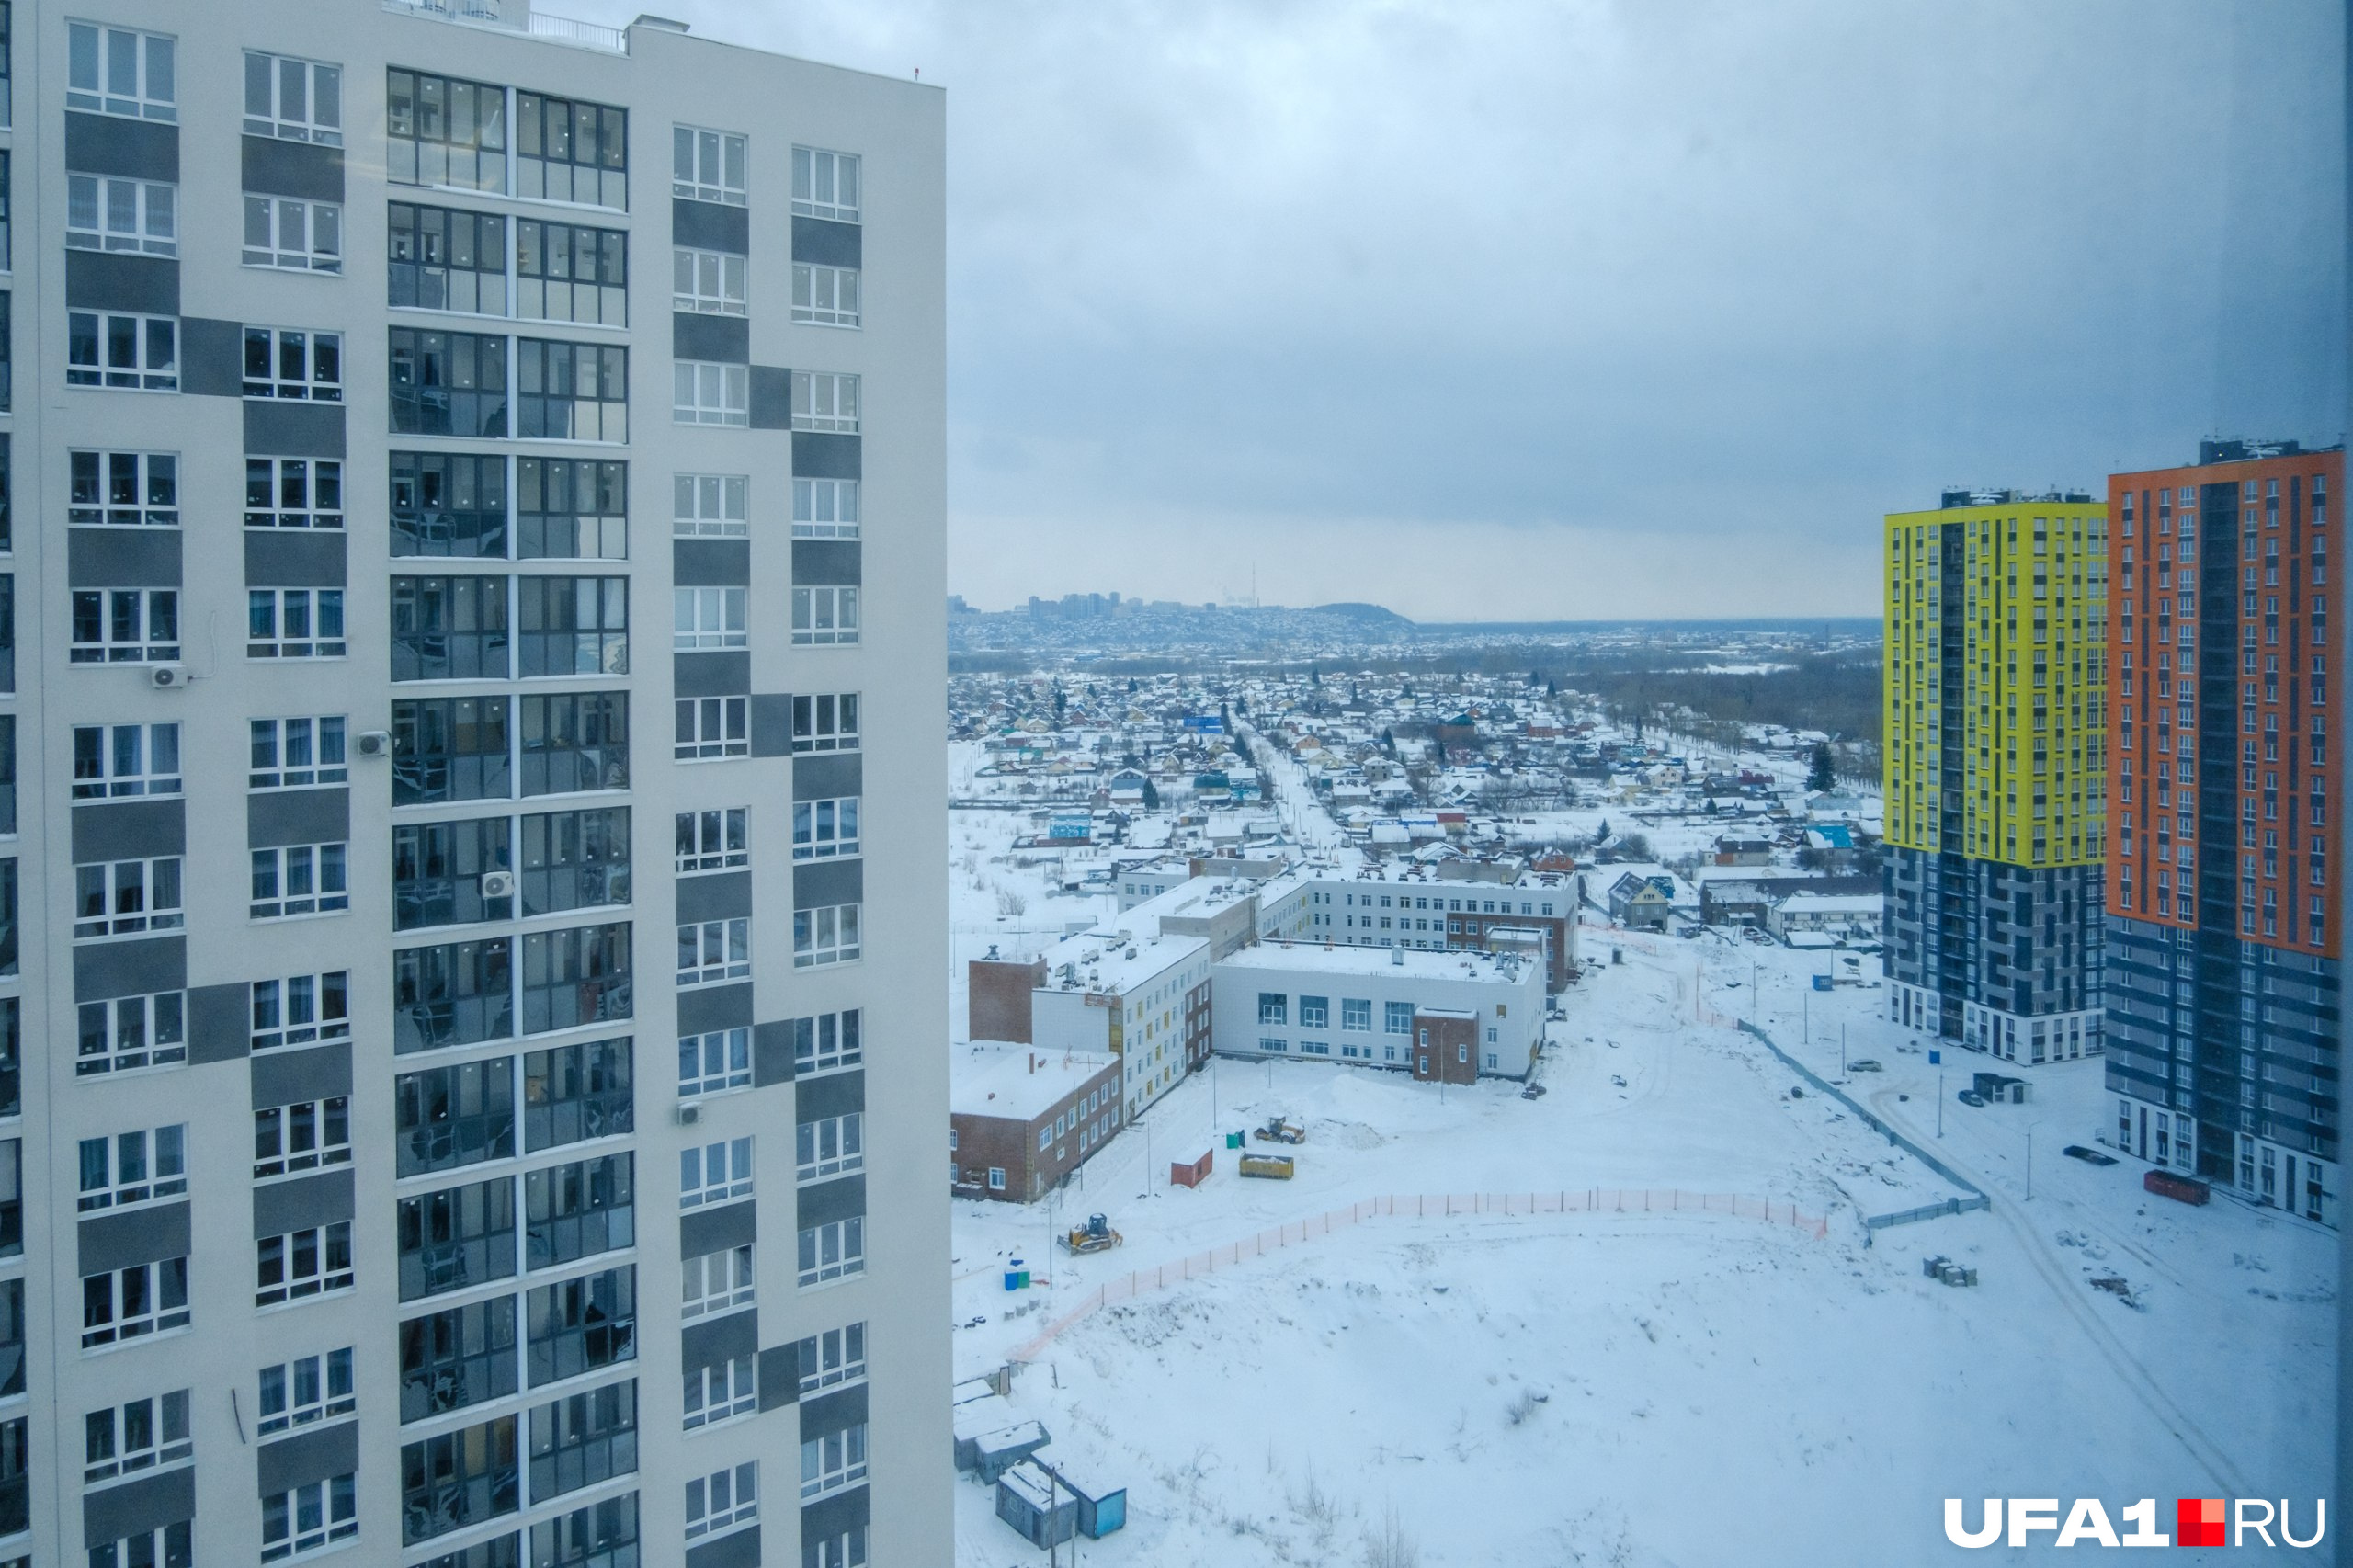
<point>473,907</point>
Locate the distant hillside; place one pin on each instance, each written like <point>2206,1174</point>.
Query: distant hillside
<point>1371,615</point>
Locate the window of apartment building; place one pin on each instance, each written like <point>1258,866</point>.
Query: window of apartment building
<point>1274,1007</point>
<point>709,281</point>
<point>124,489</point>
<point>449,628</point>
<point>575,977</point>
<point>709,618</point>
<point>171,1546</point>
<point>824,296</point>
<point>825,508</point>
<point>714,1063</point>
<point>721,1391</point>
<point>293,493</point>
<point>572,626</point>
<point>572,509</point>
<point>144,1434</point>
<point>568,151</point>
<point>8,65</point>
<point>821,829</point>
<point>448,503</point>
<point>103,213</point>
<point>282,363</point>
<point>448,383</point>
<point>722,1501</point>
<point>12,1197</point>
<point>574,1092</point>
<point>289,753</point>
<point>576,741</point>
<point>12,1042</point>
<point>293,100</point>
<point>1398,1017</point>
<point>825,185</point>
<point>717,1282</point>
<point>1314,1012</point>
<point>303,1135</point>
<point>130,1032</point>
<point>825,401</point>
<point>294,623</point>
<point>708,394</point>
<point>825,722</point>
<point>568,272</point>
<point>130,1303</point>
<point>299,879</point>
<point>452,994</point>
<point>456,1238</point>
<point>603,1533</point>
<point>294,233</point>
<point>310,1517</point>
<point>576,1211</point>
<point>833,1251</point>
<point>826,1043</point>
<point>438,258</point>
<point>570,391</point>
<point>582,1439</point>
<point>824,935</point>
<point>457,1358</point>
<point>709,165</point>
<point>713,840</point>
<point>307,1389</point>
<point>713,951</point>
<point>124,625</point>
<point>711,505</point>
<point>582,1325</point>
<point>835,1357</point>
<point>714,1172</point>
<point>117,760</point>
<point>126,898</point>
<point>443,131</point>
<point>134,1168</point>
<point>824,617</point>
<point>452,749</point>
<point>575,860</point>
<point>830,1146</point>
<point>446,1118</point>
<point>308,1262</point>
<point>712,727</point>
<point>837,1549</point>
<point>129,353</point>
<point>115,71</point>
<point>301,1009</point>
<point>459,1479</point>
<point>833,1461</point>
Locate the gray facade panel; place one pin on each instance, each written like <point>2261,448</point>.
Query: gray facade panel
<point>831,1200</point>
<point>711,675</point>
<point>740,1549</point>
<point>114,1513</point>
<point>714,1342</point>
<point>817,455</point>
<point>283,1206</point>
<point>703,1009</point>
<point>825,242</point>
<point>829,1517</point>
<point>212,362</point>
<point>129,830</point>
<point>828,778</point>
<point>123,558</point>
<point>717,1228</point>
<point>297,817</point>
<point>710,226</point>
<point>771,399</point>
<point>828,884</point>
<point>723,895</point>
<point>698,335</point>
<point>710,562</point>
<point>831,1413</point>
<point>296,558</point>
<point>219,1028</point>
<point>819,562</point>
<point>772,1054</point>
<point>290,1077</point>
<point>771,725</point>
<point>314,1455</point>
<point>293,429</point>
<point>137,1235</point>
<point>834,1094</point>
<point>272,167</point>
<point>95,280</point>
<point>780,1376</point>
<point>110,144</point>
<point>105,970</point>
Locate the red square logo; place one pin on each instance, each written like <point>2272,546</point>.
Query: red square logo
<point>2197,1521</point>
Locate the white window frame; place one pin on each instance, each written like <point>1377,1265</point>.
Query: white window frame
<point>996,1178</point>
<point>706,617</point>
<point>154,363</point>
<point>309,347</point>
<point>840,1358</point>
<point>826,829</point>
<point>146,647</point>
<point>112,212</point>
<point>167,1443</point>
<point>833,1461</point>
<point>707,1514</point>
<point>831,721</point>
<point>143,1031</point>
<point>706,391</point>
<point>293,881</point>
<point>825,508</point>
<point>710,505</point>
<point>154,489</point>
<point>318,607</point>
<point>721,1393</point>
<point>829,1146</point>
<point>153,91</point>
<point>293,234</point>
<point>269,118</point>
<point>163,1285</point>
<point>828,935</point>
<point>718,1281</point>
<point>299,1009</point>
<point>325,1277</point>
<point>817,185</point>
<point>322,1119</point>
<point>1397,1017</point>
<point>825,401</point>
<point>133,759</point>
<point>728,718</point>
<point>841,1054</point>
<point>712,951</point>
<point>714,1172</point>
<point>833,1251</point>
<point>144,1166</point>
<point>296,492</point>
<point>825,615</point>
<point>716,838</point>
<point>321,739</point>
<point>826,296</point>
<point>709,282</point>
<point>155,882</point>
<point>732,1071</point>
<point>307,1520</point>
<point>698,160</point>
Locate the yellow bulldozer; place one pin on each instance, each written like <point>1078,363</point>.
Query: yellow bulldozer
<point>1096,1235</point>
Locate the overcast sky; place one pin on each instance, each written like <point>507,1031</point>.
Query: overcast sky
<point>1543,310</point>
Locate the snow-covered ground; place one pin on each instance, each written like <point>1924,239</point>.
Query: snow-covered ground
<point>1637,1388</point>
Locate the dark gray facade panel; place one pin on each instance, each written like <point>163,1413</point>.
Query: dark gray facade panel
<point>771,398</point>
<point>290,1077</point>
<point>113,1513</point>
<point>714,1342</point>
<point>740,1549</point>
<point>703,1009</point>
<point>314,1455</point>
<point>123,558</point>
<point>828,884</point>
<point>219,1028</point>
<point>829,1517</point>
<point>834,1094</point>
<point>831,1413</point>
<point>717,1228</point>
<point>710,226</point>
<point>831,1200</point>
<point>711,675</point>
<point>721,895</point>
<point>95,280</point>
<point>698,334</point>
<point>293,429</point>
<point>296,558</point>
<point>828,778</point>
<point>109,145</point>
<point>213,358</point>
<point>780,1376</point>
<point>129,830</point>
<point>272,167</point>
<point>298,816</point>
<point>821,562</point>
<point>103,971</point>
<point>825,242</point>
<point>283,1206</point>
<point>710,562</point>
<point>817,455</point>
<point>772,1055</point>
<point>771,725</point>
<point>137,1235</point>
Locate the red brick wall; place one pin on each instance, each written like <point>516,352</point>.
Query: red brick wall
<point>998,1004</point>
<point>1445,1050</point>
<point>1011,1145</point>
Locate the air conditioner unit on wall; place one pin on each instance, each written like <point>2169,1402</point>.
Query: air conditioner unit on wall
<point>498,884</point>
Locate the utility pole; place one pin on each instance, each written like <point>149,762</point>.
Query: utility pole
<point>1842,1049</point>
<point>1940,1105</point>
<point>2030,1165</point>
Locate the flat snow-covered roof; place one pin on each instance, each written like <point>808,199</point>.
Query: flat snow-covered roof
<point>1420,963</point>
<point>1019,1083</point>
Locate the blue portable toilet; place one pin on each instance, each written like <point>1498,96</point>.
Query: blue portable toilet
<point>1102,1509</point>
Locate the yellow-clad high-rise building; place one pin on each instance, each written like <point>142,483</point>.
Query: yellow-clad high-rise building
<point>1995,720</point>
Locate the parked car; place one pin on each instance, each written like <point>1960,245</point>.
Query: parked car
<point>1970,1097</point>
<point>1863,1065</point>
<point>2089,1157</point>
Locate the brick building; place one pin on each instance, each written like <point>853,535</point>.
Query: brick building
<point>1020,1119</point>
